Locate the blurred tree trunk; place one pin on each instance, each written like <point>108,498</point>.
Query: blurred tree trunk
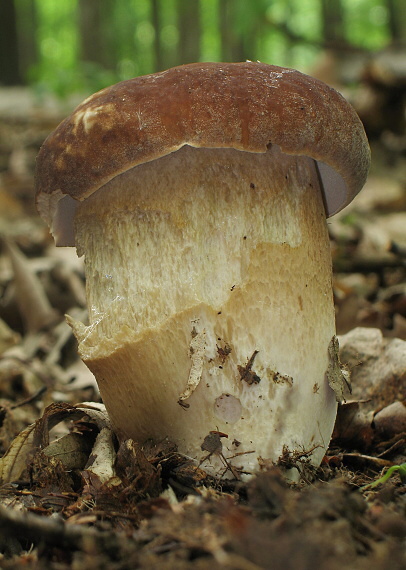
<point>27,41</point>
<point>333,22</point>
<point>9,64</point>
<point>189,30</point>
<point>96,45</point>
<point>225,30</point>
<point>232,42</point>
<point>288,42</point>
<point>397,19</point>
<point>156,22</point>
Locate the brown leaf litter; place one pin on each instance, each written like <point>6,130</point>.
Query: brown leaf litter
<point>72,496</point>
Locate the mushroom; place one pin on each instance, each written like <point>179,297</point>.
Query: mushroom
<point>199,197</point>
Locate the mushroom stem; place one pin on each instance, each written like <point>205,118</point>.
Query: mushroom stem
<point>210,303</point>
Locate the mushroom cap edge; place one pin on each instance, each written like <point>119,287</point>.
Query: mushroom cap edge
<point>246,106</point>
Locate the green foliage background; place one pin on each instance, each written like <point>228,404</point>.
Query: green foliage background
<point>283,32</point>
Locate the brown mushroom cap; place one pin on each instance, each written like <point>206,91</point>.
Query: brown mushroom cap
<point>245,106</point>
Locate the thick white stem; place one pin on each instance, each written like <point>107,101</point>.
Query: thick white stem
<point>210,303</point>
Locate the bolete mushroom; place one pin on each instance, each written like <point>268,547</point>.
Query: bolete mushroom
<point>198,197</point>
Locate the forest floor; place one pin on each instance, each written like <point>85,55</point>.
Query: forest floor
<point>88,502</point>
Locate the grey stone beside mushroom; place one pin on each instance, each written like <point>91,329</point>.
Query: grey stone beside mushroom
<point>198,197</point>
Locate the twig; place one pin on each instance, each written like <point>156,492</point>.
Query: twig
<point>32,301</point>
<point>55,532</point>
<point>30,399</point>
<point>366,264</point>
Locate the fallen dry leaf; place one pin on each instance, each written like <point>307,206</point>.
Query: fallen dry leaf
<point>14,461</point>
<point>72,449</point>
